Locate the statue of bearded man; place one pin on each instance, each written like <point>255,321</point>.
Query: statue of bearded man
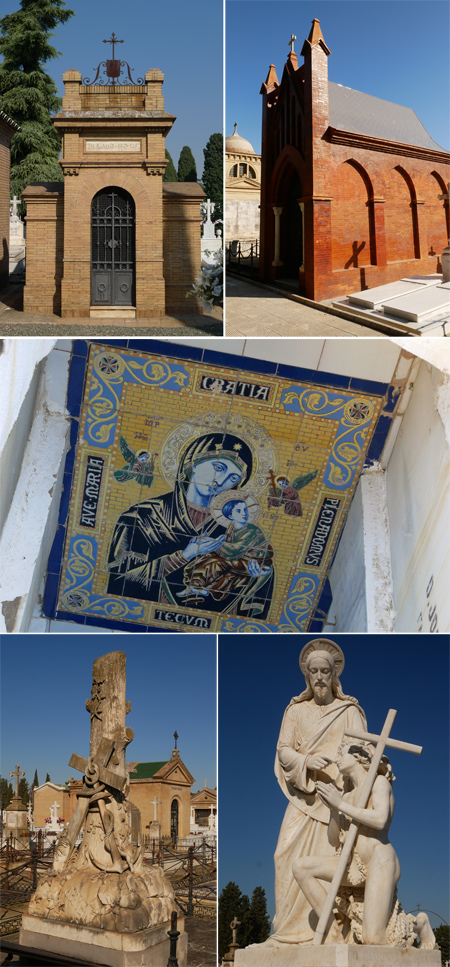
<point>312,729</point>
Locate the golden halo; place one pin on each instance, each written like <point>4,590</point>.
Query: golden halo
<point>244,496</point>
<point>323,644</point>
<point>254,435</point>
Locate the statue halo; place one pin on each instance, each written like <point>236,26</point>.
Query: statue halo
<point>323,644</point>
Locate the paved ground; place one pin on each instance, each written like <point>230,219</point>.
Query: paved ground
<point>15,322</point>
<point>252,310</point>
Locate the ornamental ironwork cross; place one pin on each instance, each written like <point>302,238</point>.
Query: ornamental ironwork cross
<point>381,742</point>
<point>175,735</point>
<point>113,40</point>
<point>16,774</point>
<point>291,42</point>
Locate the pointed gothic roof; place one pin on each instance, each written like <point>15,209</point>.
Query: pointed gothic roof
<point>364,114</point>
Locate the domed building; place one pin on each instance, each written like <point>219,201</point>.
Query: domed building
<point>242,189</point>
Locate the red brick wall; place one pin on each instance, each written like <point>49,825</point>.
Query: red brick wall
<point>352,194</point>
<point>350,230</point>
<point>398,219</point>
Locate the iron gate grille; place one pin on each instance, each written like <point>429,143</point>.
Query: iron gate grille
<point>113,248</point>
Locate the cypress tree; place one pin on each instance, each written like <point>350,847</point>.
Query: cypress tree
<point>258,917</point>
<point>170,172</point>
<point>187,170</point>
<point>212,178</point>
<point>27,94</point>
<point>35,780</point>
<point>47,778</point>
<point>24,791</point>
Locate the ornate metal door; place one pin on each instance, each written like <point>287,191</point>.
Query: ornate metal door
<point>174,819</point>
<point>113,247</point>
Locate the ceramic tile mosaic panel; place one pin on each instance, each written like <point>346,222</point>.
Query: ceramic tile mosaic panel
<point>206,495</point>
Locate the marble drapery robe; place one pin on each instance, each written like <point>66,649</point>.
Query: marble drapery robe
<point>307,729</point>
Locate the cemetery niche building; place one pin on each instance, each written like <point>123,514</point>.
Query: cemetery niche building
<point>350,183</point>
<point>112,240</point>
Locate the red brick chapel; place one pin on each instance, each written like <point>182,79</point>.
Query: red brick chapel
<point>349,183</point>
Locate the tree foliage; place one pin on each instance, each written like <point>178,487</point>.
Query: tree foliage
<point>6,792</point>
<point>254,926</point>
<point>442,934</point>
<point>170,173</point>
<point>27,94</point>
<point>35,780</point>
<point>24,791</point>
<point>47,778</point>
<point>212,178</point>
<point>187,170</point>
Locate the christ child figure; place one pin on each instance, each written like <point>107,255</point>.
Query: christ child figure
<point>241,563</point>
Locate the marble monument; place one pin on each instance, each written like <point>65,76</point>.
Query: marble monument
<point>100,902</point>
<point>338,781</point>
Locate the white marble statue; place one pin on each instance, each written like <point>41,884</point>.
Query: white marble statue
<point>369,912</point>
<point>311,732</point>
<point>336,872</point>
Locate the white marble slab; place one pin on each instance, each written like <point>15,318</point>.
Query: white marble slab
<point>372,298</point>
<point>335,955</point>
<point>420,305</point>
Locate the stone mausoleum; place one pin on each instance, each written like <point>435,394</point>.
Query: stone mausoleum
<point>112,240</point>
<point>353,188</point>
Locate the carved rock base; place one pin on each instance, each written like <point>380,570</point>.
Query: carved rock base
<point>335,955</point>
<point>123,902</point>
<point>150,947</point>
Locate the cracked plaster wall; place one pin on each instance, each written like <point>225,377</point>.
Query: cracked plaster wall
<point>33,434</point>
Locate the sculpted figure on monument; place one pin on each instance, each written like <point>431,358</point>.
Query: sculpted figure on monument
<point>312,729</point>
<point>336,872</point>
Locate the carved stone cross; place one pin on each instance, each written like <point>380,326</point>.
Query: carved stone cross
<point>155,802</point>
<point>14,207</point>
<point>16,775</point>
<point>291,42</point>
<point>381,742</point>
<point>235,923</point>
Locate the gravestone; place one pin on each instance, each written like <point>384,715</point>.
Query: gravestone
<point>100,903</point>
<point>16,816</point>
<point>211,234</point>
<point>16,240</point>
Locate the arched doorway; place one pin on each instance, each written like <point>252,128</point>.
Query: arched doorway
<point>112,248</point>
<point>174,819</point>
<point>293,236</point>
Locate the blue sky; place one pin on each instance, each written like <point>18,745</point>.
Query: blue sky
<point>185,41</point>
<point>258,675</point>
<point>393,49</point>
<point>46,679</point>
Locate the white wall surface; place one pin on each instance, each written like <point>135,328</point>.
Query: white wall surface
<point>418,485</point>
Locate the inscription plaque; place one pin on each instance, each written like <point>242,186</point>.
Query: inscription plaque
<point>113,146</point>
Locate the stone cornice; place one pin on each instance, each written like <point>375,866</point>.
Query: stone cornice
<point>336,136</point>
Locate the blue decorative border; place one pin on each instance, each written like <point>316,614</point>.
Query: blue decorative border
<point>107,612</point>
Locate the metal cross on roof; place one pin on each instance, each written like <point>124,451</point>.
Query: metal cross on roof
<point>175,735</point>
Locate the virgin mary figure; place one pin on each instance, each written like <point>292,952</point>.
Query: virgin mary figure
<point>154,540</point>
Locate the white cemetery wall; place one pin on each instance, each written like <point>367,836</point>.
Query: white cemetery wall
<point>242,218</point>
<point>33,439</point>
<point>418,482</point>
<point>348,575</point>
